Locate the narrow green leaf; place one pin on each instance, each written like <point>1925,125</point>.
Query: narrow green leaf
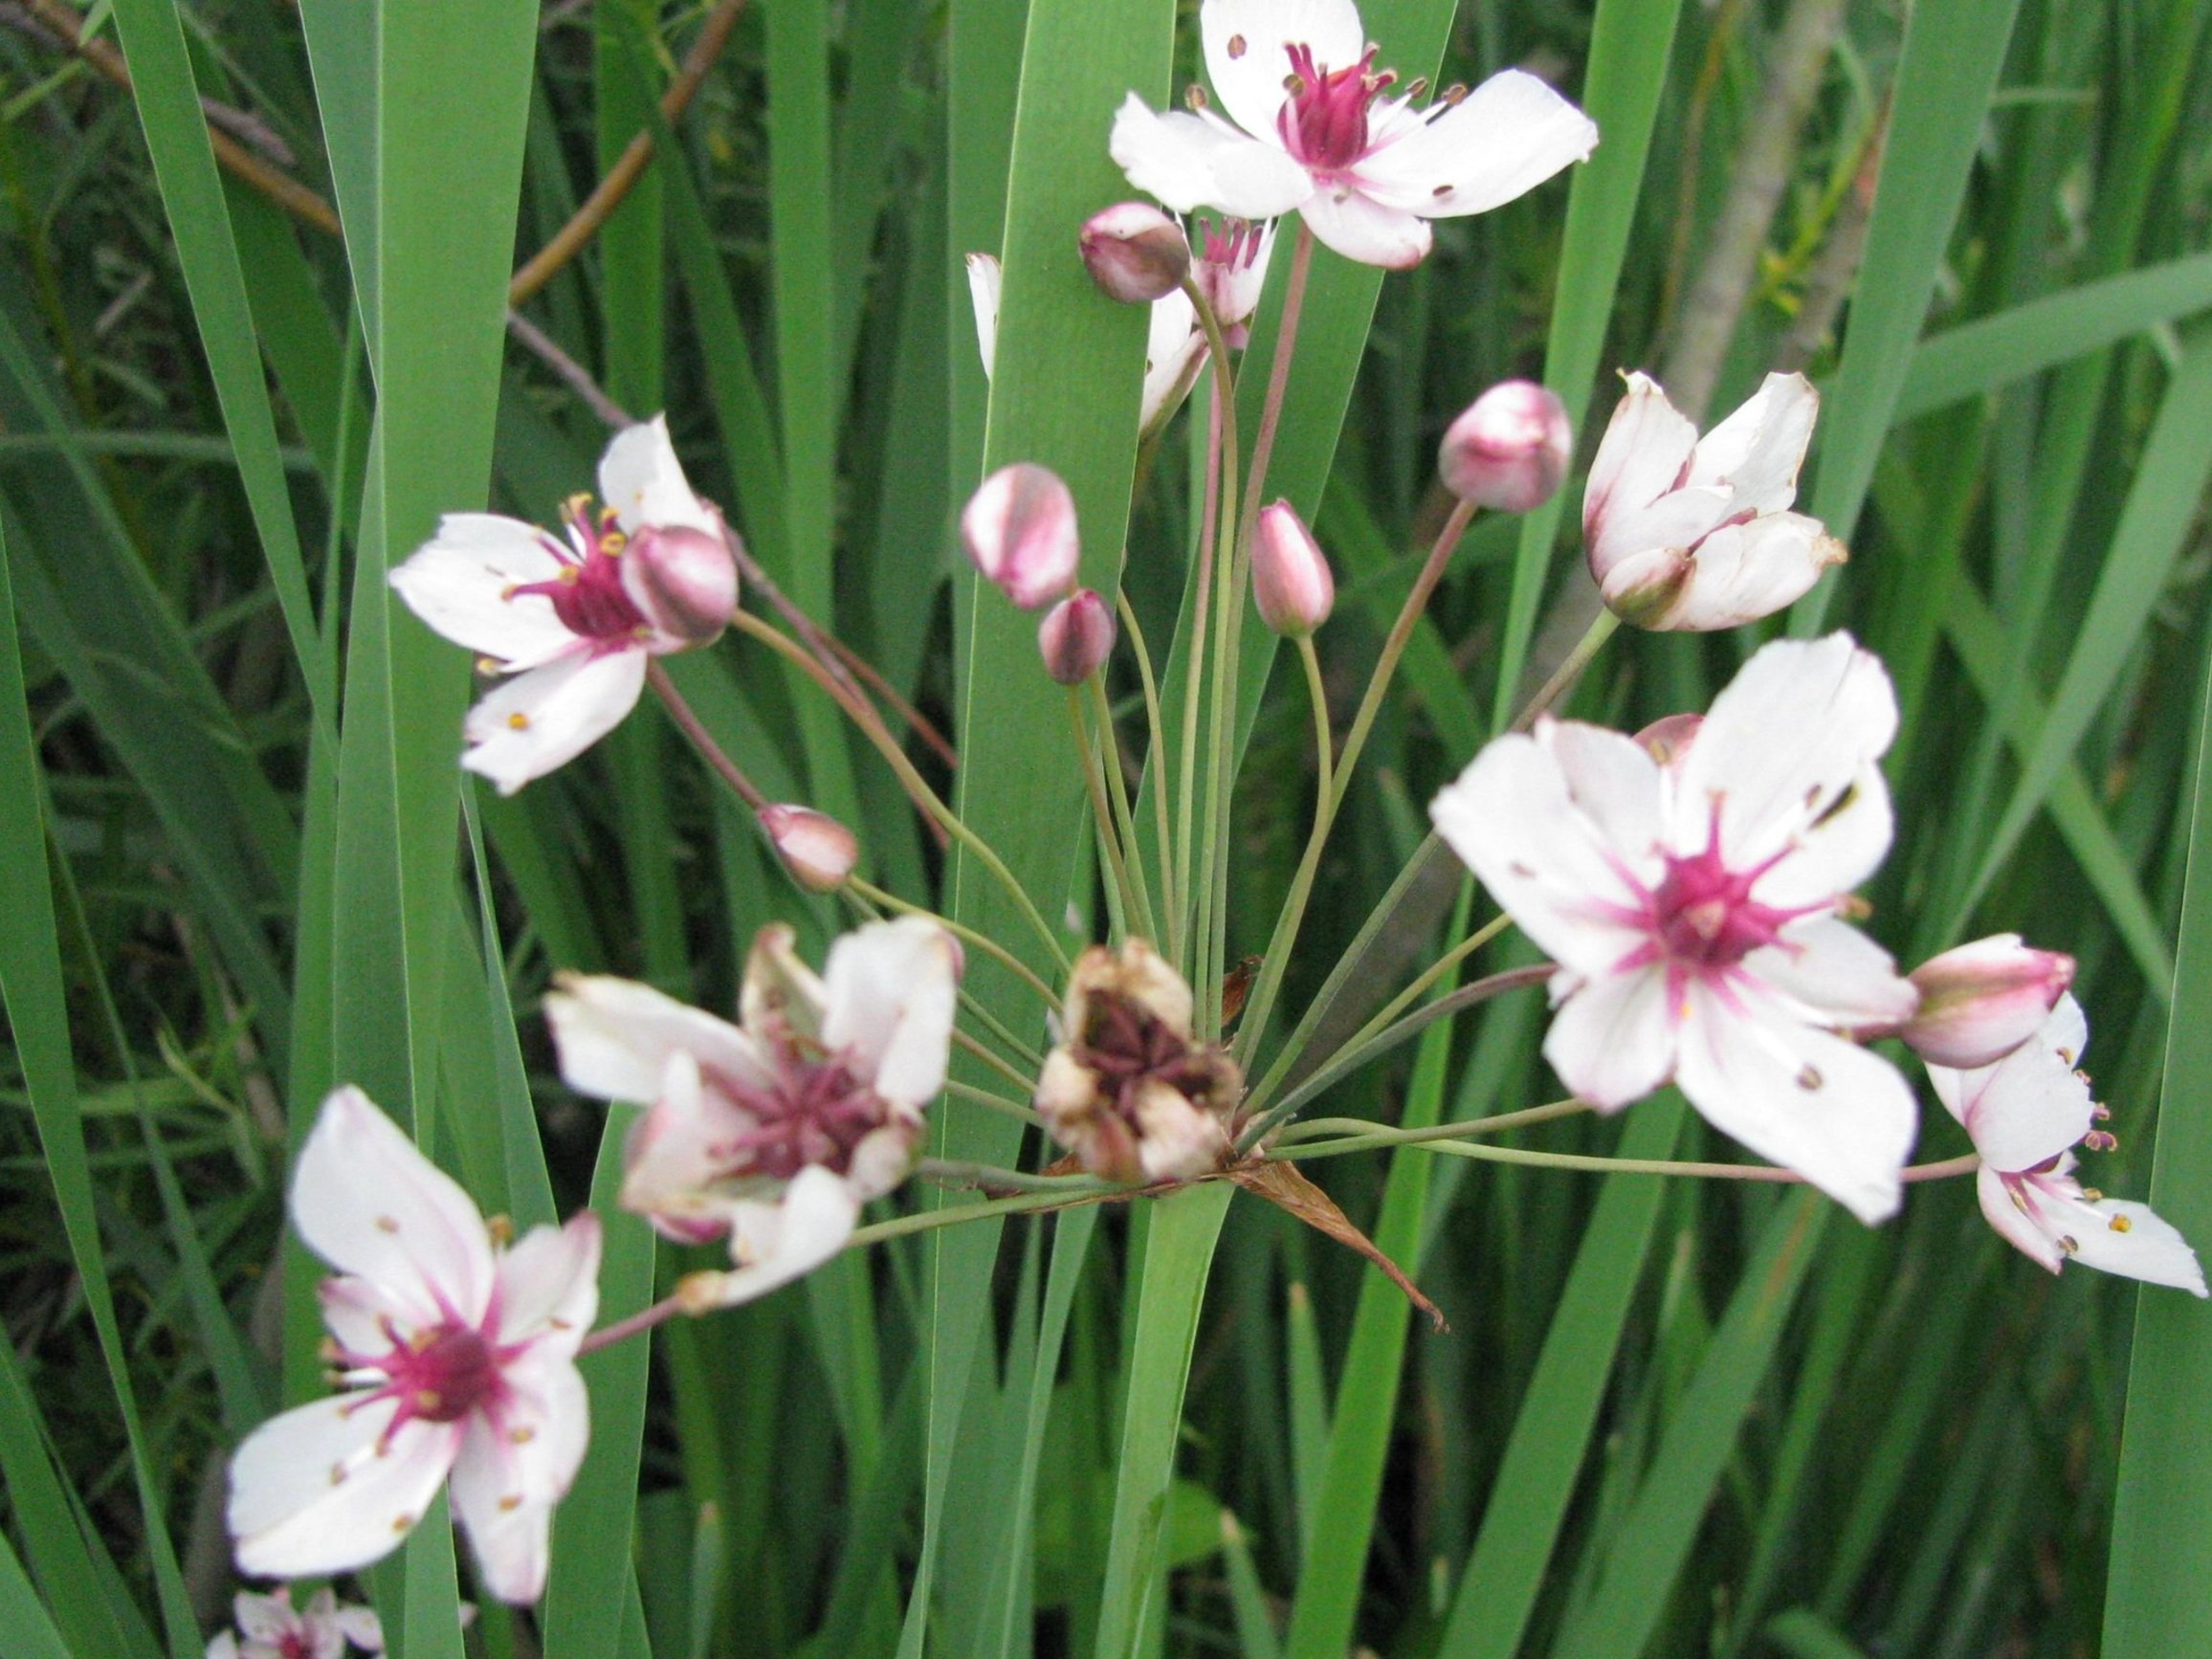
<point>31,1632</point>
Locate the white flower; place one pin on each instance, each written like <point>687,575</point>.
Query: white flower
<point>1314,133</point>
<point>1693,534</point>
<point>575,621</point>
<point>777,1131</point>
<point>271,1627</point>
<point>2027,1113</point>
<point>1692,910</point>
<point>456,1359</point>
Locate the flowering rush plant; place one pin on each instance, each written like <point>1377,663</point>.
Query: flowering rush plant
<point>1679,905</point>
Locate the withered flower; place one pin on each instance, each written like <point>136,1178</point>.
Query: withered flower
<point>1128,1089</point>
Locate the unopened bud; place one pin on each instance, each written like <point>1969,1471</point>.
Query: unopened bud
<point>1076,637</point>
<point>1982,1001</point>
<point>819,851</point>
<point>1291,580</point>
<point>1509,449</point>
<point>1135,253</point>
<point>684,581</point>
<point>1019,528</point>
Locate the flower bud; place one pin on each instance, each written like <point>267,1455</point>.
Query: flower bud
<point>1509,449</point>
<point>1076,637</point>
<point>1982,1001</point>
<point>1291,580</point>
<point>819,851</point>
<point>684,581</point>
<point>1019,528</point>
<point>1135,253</point>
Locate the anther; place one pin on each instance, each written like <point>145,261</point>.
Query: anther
<point>501,1228</point>
<point>1237,46</point>
<point>2068,1244</point>
<point>401,1522</point>
<point>384,1224</point>
<point>522,1434</point>
<point>2120,1224</point>
<point>1194,95</point>
<point>519,722</point>
<point>1418,85</point>
<point>510,1503</point>
<point>1809,1077</point>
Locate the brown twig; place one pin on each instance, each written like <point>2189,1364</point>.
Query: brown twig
<point>584,224</point>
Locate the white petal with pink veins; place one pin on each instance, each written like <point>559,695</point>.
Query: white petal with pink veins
<point>1188,162</point>
<point>508,1475</point>
<point>1174,345</point>
<point>1646,444</point>
<point>1500,142</point>
<point>773,1243</point>
<point>544,718</point>
<point>2142,1246</point>
<point>779,986</point>
<point>458,582</point>
<point>670,1160</point>
<point>1742,572</point>
<point>1245,44</point>
<point>1511,820</point>
<point>1798,726</point>
<point>1837,1115</point>
<point>614,1037</point>
<point>1615,781</point>
<point>1758,450</point>
<point>1612,1042</point>
<point>367,1201</point>
<point>311,1494</point>
<point>890,989</point>
<point>549,1285</point>
<point>1363,229</point>
<point>1835,974</point>
<point>640,477</point>
<point>361,1315</point>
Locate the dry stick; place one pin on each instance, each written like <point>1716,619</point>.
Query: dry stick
<point>915,785</point>
<point>570,373</point>
<point>1763,161</point>
<point>1159,761</point>
<point>584,224</point>
<point>1837,265</point>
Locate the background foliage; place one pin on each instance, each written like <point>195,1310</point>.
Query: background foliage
<point>1668,1418</point>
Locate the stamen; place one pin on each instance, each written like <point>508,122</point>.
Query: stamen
<point>1236,47</point>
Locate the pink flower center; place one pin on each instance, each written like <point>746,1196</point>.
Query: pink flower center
<point>1232,244</point>
<point>1323,123</point>
<point>438,1375</point>
<point>1702,917</point>
<point>815,1112</point>
<point>1127,1046</point>
<point>587,594</point>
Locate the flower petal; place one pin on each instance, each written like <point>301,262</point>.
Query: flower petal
<point>311,1492</point>
<point>1512,819</point>
<point>2031,1105</point>
<point>1742,572</point>
<point>1646,443</point>
<point>544,718</point>
<point>1363,229</point>
<point>984,281</point>
<point>1797,729</point>
<point>1835,975</point>
<point>1187,162</point>
<point>670,1161</point>
<point>614,1037</point>
<point>2005,1208</point>
<point>368,1202</point>
<point>1757,451</point>
<point>1498,143</point>
<point>891,988</point>
<point>1612,1041</point>
<point>1838,1116</point>
<point>779,986</point>
<point>1247,55</point>
<point>1175,347</point>
<point>549,1285</point>
<point>508,1475</point>
<point>773,1243</point>
<point>640,477</point>
<point>458,582</point>
<point>2115,1236</point>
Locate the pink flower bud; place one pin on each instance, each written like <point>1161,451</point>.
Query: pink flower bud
<point>1509,449</point>
<point>1982,1001</point>
<point>1019,527</point>
<point>1136,253</point>
<point>1291,580</point>
<point>683,580</point>
<point>819,851</point>
<point>1076,637</point>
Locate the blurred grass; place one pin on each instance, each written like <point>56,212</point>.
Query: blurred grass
<point>1624,1446</point>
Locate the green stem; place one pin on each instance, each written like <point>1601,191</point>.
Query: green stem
<point>930,1219</point>
<point>1220,439</point>
<point>1568,671</point>
<point>1340,1132</point>
<point>1117,791</point>
<point>1155,761</point>
<point>998,1103</point>
<point>991,947</point>
<point>1093,761</point>
<point>990,1057</point>
<point>954,1172</point>
<point>1588,1165</point>
<point>917,785</point>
